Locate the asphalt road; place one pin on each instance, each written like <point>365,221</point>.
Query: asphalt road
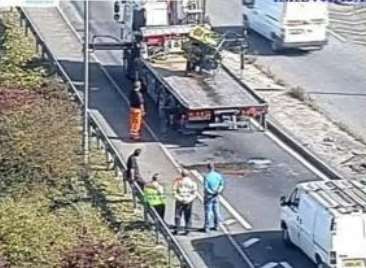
<point>334,77</point>
<point>254,193</point>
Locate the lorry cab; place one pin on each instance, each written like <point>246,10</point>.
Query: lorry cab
<point>288,24</point>
<point>327,221</point>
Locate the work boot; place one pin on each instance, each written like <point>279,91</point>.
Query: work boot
<point>204,230</point>
<point>214,228</point>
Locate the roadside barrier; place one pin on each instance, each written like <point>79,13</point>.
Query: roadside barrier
<point>113,158</point>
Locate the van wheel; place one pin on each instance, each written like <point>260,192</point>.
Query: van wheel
<point>286,237</point>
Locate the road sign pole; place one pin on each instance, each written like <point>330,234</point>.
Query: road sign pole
<point>86,83</point>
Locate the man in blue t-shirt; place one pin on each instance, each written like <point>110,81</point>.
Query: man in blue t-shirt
<point>213,186</point>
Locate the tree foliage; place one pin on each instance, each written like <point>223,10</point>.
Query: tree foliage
<point>32,235</point>
<point>39,139</point>
<point>100,254</point>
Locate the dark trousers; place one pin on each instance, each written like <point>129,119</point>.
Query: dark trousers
<point>186,211</point>
<point>160,209</point>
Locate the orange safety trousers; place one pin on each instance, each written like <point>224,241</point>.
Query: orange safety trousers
<point>135,123</point>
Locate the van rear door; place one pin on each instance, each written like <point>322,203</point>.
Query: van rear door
<point>305,21</point>
<point>350,240</point>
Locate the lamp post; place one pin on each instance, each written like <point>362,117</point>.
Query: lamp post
<point>86,84</point>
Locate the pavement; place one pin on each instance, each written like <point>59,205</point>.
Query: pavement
<point>334,77</point>
<point>251,192</point>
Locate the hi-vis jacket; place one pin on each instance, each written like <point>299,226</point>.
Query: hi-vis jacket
<point>153,196</point>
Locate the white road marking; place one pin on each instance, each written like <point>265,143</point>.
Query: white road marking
<point>237,247</point>
<point>250,242</point>
<point>270,265</point>
<point>227,206</point>
<point>286,264</point>
<point>229,222</point>
<point>233,242</point>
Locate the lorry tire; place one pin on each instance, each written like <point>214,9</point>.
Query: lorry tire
<point>286,236</point>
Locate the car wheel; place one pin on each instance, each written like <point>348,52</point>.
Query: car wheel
<point>286,237</point>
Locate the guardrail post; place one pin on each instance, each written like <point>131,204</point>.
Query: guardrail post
<point>37,46</point>
<point>169,254</point>
<point>134,199</point>
<point>156,233</point>
<point>117,171</point>
<point>43,52</point>
<point>109,158</point>
<point>89,130</point>
<point>21,18</point>
<point>26,29</point>
<point>99,139</point>
<point>145,207</point>
<point>124,182</point>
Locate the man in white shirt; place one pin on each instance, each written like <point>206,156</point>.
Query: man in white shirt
<point>185,191</point>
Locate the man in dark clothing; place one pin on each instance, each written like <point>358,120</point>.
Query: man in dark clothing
<point>137,111</point>
<point>133,170</point>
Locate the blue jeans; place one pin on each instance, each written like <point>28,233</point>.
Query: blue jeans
<point>211,206</point>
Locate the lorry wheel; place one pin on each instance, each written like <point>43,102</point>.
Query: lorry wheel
<point>286,237</point>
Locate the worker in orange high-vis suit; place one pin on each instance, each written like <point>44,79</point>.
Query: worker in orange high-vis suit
<point>137,111</point>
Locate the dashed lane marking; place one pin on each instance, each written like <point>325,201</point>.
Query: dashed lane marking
<point>230,221</point>
<point>286,264</point>
<point>270,265</point>
<point>250,242</point>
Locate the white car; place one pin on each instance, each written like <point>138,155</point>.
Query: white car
<point>327,221</point>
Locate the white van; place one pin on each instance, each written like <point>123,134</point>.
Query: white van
<point>327,221</point>
<point>288,24</point>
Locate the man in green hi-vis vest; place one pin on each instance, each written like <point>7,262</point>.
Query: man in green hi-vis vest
<point>154,195</point>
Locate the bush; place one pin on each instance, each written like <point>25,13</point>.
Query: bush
<point>98,254</point>
<point>17,52</point>
<point>39,139</point>
<point>32,235</point>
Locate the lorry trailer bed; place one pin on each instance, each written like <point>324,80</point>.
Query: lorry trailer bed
<point>201,91</point>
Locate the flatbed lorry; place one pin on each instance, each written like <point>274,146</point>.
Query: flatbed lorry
<point>195,100</point>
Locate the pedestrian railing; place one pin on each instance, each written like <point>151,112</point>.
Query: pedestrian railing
<point>119,165</point>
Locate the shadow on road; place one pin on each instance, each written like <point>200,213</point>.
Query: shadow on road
<point>260,46</point>
<point>262,248</point>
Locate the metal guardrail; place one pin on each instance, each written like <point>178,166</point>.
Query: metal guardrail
<point>118,163</point>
